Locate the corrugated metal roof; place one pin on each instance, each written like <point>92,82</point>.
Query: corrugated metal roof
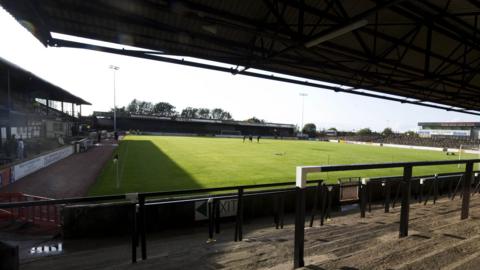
<point>24,80</point>
<point>426,51</point>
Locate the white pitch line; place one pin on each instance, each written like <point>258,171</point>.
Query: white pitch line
<point>123,164</point>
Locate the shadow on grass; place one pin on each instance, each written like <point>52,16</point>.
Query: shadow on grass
<point>142,167</point>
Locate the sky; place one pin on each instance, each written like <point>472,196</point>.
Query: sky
<point>86,73</point>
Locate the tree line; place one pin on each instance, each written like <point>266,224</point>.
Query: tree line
<point>140,107</point>
<point>311,130</point>
<point>166,109</point>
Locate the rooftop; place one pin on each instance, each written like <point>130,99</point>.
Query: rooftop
<point>450,124</point>
<point>417,52</point>
<point>37,87</point>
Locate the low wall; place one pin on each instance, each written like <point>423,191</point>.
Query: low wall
<point>116,218</point>
<point>16,171</point>
<point>32,165</point>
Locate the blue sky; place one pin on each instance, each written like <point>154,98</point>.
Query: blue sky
<point>86,74</point>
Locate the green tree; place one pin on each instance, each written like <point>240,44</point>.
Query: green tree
<point>216,113</point>
<point>364,132</point>
<point>310,129</point>
<point>387,132</point>
<point>164,109</point>
<point>145,108</point>
<point>226,116</point>
<point>132,107</point>
<point>204,113</point>
<point>255,120</point>
<point>189,112</point>
<point>220,114</point>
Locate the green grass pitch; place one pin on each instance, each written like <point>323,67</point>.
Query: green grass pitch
<point>158,163</point>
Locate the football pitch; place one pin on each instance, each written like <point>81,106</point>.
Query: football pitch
<point>161,163</point>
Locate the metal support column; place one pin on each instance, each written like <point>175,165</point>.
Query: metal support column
<point>467,182</point>
<point>315,202</point>
<point>387,196</point>
<point>134,233</point>
<point>299,229</point>
<point>239,223</point>
<point>143,225</point>
<point>363,199</point>
<point>405,209</point>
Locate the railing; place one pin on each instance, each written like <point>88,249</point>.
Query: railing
<point>405,185</point>
<point>139,202</point>
<point>43,214</point>
<point>139,228</point>
<point>83,145</point>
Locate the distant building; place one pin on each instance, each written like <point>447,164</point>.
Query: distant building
<point>332,133</point>
<point>33,109</point>
<point>459,130</point>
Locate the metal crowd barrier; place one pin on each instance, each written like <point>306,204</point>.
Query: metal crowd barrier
<point>323,194</point>
<point>405,189</point>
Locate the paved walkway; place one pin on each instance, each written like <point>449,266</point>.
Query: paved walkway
<point>70,177</point>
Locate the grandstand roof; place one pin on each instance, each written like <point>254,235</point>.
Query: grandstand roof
<point>198,120</point>
<point>449,124</point>
<point>423,52</point>
<point>21,79</point>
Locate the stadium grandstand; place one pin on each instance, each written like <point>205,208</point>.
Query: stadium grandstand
<point>405,139</point>
<point>455,130</point>
<point>179,125</point>
<point>456,135</point>
<point>34,110</point>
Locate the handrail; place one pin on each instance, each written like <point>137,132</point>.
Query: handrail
<point>354,167</point>
<point>139,203</point>
<point>63,201</point>
<point>144,195</point>
<point>405,186</point>
<point>190,191</point>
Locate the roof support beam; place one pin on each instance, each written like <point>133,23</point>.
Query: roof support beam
<point>273,7</point>
<point>428,48</point>
<point>140,54</point>
<point>301,16</point>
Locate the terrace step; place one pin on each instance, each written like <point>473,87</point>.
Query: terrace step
<point>345,241</point>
